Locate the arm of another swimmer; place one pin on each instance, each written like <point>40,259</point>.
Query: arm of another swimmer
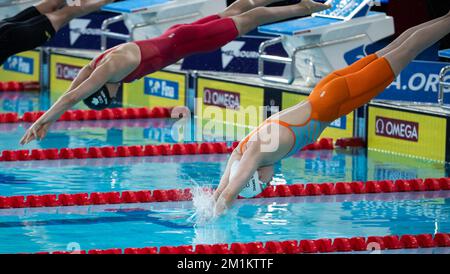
<point>247,167</point>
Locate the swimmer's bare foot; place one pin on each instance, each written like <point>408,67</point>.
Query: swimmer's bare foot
<point>314,6</point>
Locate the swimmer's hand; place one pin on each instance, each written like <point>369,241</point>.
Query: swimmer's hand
<point>313,6</point>
<point>37,131</point>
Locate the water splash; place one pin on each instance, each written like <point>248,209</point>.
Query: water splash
<point>204,206</point>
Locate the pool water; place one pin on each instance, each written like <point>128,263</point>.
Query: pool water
<point>157,224</point>
<point>117,174</point>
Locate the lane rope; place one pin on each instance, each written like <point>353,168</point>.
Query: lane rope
<point>151,150</point>
<point>91,115</point>
<point>176,195</point>
<point>325,245</point>
<point>16,86</point>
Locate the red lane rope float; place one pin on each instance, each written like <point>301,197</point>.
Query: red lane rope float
<point>173,195</point>
<point>134,151</point>
<point>20,86</point>
<point>350,142</point>
<point>92,115</point>
<point>326,245</point>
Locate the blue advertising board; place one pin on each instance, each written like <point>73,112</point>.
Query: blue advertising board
<point>161,88</point>
<point>418,82</point>
<point>19,64</point>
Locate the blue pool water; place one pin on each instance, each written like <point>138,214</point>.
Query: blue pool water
<point>140,225</point>
<point>88,175</point>
<point>31,230</point>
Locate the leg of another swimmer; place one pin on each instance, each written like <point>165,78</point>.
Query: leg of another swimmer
<point>234,9</point>
<point>263,15</point>
<point>62,16</point>
<point>242,6</point>
<point>416,43</point>
<point>48,6</point>
<point>200,21</point>
<point>40,8</point>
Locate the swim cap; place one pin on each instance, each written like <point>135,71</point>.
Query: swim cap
<point>99,100</point>
<point>253,187</point>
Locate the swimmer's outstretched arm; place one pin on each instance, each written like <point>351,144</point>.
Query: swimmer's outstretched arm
<point>96,80</point>
<point>248,165</point>
<point>82,76</point>
<point>226,175</point>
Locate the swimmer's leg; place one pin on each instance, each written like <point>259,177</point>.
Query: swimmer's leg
<point>356,66</point>
<point>344,94</point>
<point>420,40</point>
<point>347,93</point>
<point>42,7</point>
<point>405,35</point>
<point>61,17</point>
<point>242,6</point>
<point>234,9</point>
<point>249,20</point>
<point>47,6</point>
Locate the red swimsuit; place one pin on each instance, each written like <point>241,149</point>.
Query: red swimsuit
<point>204,35</point>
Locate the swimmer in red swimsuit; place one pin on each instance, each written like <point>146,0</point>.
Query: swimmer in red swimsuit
<point>99,81</point>
<point>338,94</point>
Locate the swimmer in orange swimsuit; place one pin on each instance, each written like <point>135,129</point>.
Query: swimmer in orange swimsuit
<point>338,94</point>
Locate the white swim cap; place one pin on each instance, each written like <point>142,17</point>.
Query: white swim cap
<point>253,187</point>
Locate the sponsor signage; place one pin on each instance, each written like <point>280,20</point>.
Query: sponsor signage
<point>227,110</point>
<point>221,98</point>
<point>418,82</point>
<point>19,64</point>
<point>159,89</point>
<point>24,66</point>
<point>407,133</point>
<point>399,129</point>
<point>66,72</point>
<point>340,123</point>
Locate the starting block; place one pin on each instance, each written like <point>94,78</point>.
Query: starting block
<point>317,45</point>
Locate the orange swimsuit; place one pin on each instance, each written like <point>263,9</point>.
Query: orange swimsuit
<point>335,96</point>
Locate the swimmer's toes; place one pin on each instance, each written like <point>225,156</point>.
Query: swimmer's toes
<point>315,6</point>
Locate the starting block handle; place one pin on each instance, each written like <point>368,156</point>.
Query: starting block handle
<point>291,60</point>
<point>263,57</point>
<point>443,85</point>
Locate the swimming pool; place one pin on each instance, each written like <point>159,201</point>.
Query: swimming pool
<point>166,224</point>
